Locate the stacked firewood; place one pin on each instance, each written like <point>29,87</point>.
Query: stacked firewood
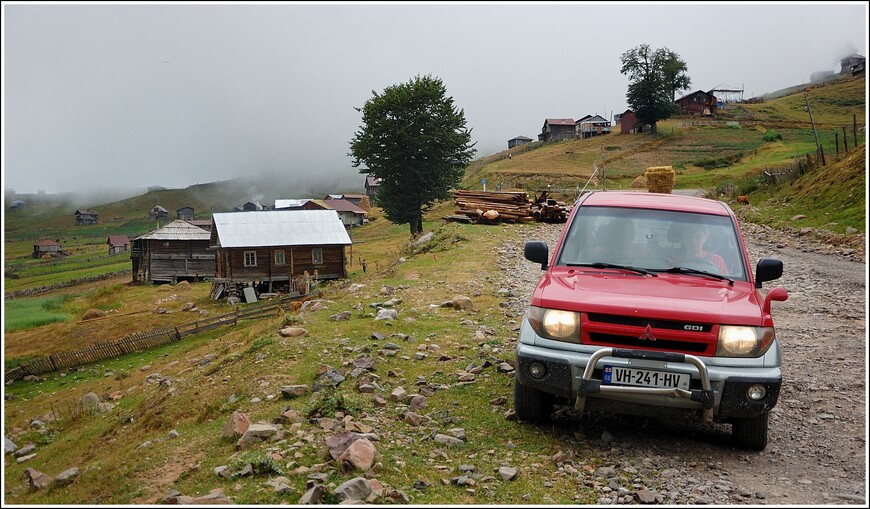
<point>549,210</point>
<point>491,207</point>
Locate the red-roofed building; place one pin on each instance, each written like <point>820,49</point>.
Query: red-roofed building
<point>350,214</point>
<point>46,246</point>
<point>118,244</point>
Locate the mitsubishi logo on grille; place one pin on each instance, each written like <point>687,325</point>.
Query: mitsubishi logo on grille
<point>647,334</point>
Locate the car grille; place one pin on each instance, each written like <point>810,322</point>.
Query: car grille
<point>631,332</point>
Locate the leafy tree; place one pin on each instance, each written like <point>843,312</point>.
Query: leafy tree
<point>654,79</point>
<point>416,142</point>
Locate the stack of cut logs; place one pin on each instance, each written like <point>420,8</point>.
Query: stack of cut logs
<point>508,207</point>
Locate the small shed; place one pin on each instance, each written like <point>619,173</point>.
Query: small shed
<point>372,185</point>
<point>519,140</point>
<point>118,244</point>
<point>17,205</point>
<point>158,212</point>
<point>697,103</point>
<point>628,123</point>
<point>271,249</point>
<point>86,217</point>
<point>184,213</point>
<point>252,206</point>
<point>350,214</point>
<point>46,246</point>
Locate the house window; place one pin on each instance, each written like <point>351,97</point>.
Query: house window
<point>317,256</point>
<point>250,258</point>
<point>279,258</point>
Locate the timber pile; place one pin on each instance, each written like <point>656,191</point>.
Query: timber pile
<point>491,207</point>
<point>549,210</point>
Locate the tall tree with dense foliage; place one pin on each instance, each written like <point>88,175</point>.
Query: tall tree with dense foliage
<point>415,140</point>
<point>655,77</point>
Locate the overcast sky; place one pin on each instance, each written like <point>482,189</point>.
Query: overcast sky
<point>158,94</point>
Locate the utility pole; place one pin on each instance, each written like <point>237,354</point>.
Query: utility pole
<point>819,152</point>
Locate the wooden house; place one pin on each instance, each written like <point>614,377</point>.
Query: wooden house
<point>372,185</point>
<point>592,125</point>
<point>158,213</point>
<point>628,123</point>
<point>356,199</point>
<point>852,63</point>
<point>205,224</point>
<point>519,140</point>
<point>184,213</point>
<point>118,244</point>
<point>350,214</point>
<point>17,205</point>
<point>46,247</point>
<point>86,217</point>
<point>177,251</point>
<point>252,206</point>
<point>697,103</point>
<point>271,249</point>
<point>557,129</point>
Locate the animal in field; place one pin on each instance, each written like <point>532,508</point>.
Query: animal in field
<point>743,199</point>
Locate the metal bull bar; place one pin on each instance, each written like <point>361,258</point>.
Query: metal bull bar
<point>587,386</point>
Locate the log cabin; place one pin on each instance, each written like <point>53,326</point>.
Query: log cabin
<point>271,249</point>
<point>178,251</point>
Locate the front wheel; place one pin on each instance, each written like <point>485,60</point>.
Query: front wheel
<point>750,432</point>
<point>530,404</point>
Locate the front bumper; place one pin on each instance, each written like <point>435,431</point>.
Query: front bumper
<point>719,391</point>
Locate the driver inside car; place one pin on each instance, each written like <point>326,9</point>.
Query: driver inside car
<point>692,239</point>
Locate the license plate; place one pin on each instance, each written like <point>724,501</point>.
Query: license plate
<point>616,375</point>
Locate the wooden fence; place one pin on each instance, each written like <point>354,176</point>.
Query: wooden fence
<point>141,341</point>
<point>29,292</point>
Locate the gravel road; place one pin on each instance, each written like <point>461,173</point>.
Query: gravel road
<point>817,450</point>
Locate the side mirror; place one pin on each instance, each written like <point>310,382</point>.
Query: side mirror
<point>767,269</point>
<point>537,251</point>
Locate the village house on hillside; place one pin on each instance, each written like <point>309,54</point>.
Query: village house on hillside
<point>372,185</point>
<point>184,213</point>
<point>177,251</point>
<point>158,213</point>
<point>627,121</point>
<point>17,205</point>
<point>519,140</point>
<point>46,247</point>
<point>118,244</point>
<point>557,129</point>
<point>854,64</point>
<point>86,217</point>
<point>697,103</point>
<point>270,250</point>
<point>350,214</point>
<point>592,125</point>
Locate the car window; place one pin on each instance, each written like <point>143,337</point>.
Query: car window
<point>653,239</point>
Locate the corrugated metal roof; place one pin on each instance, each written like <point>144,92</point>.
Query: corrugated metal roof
<point>280,228</point>
<point>343,205</point>
<point>291,203</point>
<point>176,230</point>
<point>118,240</point>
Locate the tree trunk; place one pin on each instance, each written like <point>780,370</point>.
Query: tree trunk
<point>653,130</point>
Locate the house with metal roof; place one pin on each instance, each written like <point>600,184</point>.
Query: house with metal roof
<point>158,212</point>
<point>118,244</point>
<point>46,247</point>
<point>271,249</point>
<point>179,251</point>
<point>350,214</point>
<point>557,129</point>
<point>86,217</point>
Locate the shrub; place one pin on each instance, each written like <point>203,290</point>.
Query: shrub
<point>772,135</point>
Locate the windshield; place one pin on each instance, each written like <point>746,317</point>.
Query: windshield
<point>654,240</point>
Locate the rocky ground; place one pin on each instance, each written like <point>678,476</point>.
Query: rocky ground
<point>817,453</point>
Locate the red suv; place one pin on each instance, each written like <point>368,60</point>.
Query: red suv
<point>649,307</point>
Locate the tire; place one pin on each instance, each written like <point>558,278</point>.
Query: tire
<point>530,404</point>
<point>750,432</point>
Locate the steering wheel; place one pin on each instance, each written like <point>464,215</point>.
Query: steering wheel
<point>704,264</point>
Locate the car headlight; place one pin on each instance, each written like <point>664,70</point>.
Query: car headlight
<point>555,323</point>
<point>743,341</point>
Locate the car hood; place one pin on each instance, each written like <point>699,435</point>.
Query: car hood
<point>668,296</point>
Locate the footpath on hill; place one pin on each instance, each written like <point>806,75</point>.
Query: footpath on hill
<point>817,451</point>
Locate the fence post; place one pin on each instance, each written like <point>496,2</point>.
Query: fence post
<point>837,143</point>
<point>845,141</point>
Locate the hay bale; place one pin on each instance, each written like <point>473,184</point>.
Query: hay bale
<point>93,313</point>
<point>660,179</point>
<point>183,286</point>
<point>638,182</point>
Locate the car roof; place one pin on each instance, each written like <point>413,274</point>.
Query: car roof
<point>657,201</point>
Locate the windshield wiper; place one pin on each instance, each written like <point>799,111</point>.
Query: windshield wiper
<point>687,270</point>
<point>603,265</point>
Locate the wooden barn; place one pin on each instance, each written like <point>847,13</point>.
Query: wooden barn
<point>628,123</point>
<point>270,250</point>
<point>519,140</point>
<point>17,205</point>
<point>372,185</point>
<point>178,251</point>
<point>350,214</point>
<point>46,247</point>
<point>557,129</point>
<point>697,103</point>
<point>158,212</point>
<point>184,213</point>
<point>592,125</point>
<point>86,217</point>
<point>118,244</point>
